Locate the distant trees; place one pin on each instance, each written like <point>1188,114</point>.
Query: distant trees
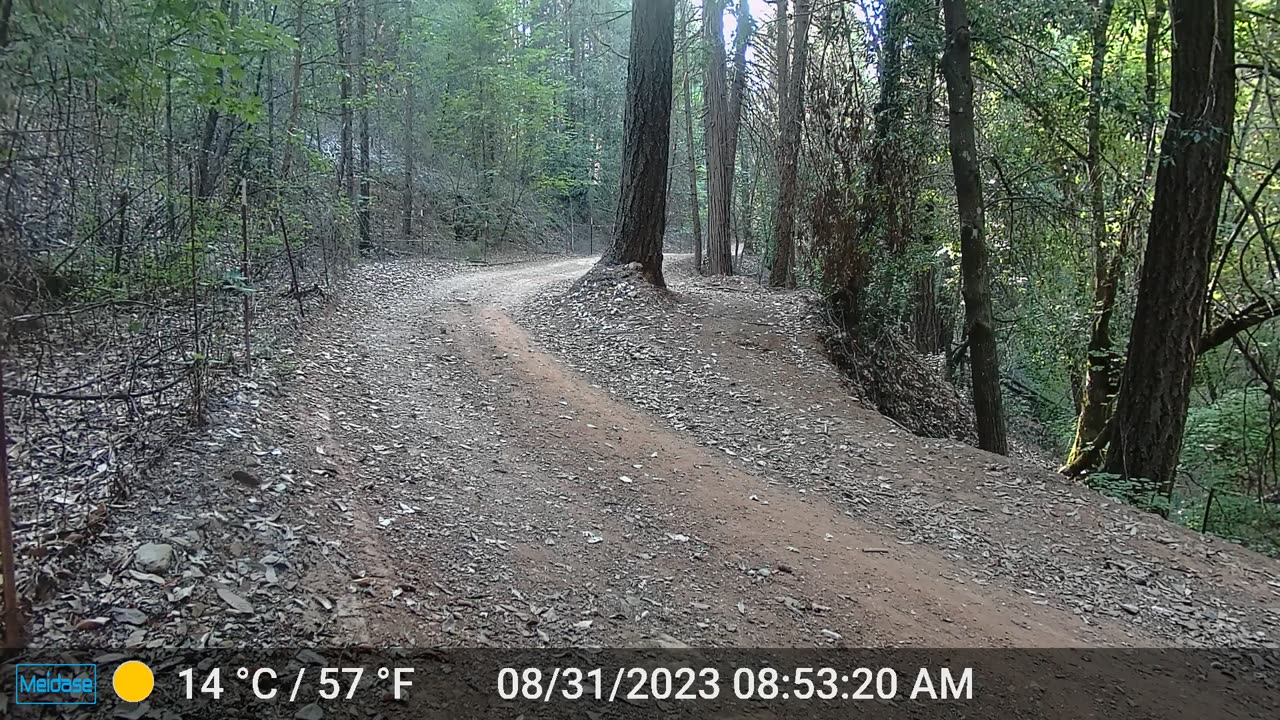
<point>1151,409</point>
<point>646,129</point>
<point>975,276</point>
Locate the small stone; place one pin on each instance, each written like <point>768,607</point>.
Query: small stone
<point>1131,609</point>
<point>310,712</point>
<point>153,557</point>
<point>130,616</point>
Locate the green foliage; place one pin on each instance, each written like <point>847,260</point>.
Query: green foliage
<point>1224,438</point>
<point>1139,492</point>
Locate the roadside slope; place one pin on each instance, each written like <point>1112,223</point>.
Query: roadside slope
<point>738,370</point>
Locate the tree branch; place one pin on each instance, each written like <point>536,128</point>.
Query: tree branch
<point>1251,315</point>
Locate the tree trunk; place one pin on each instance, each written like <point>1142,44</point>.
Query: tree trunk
<point>205,166</point>
<point>716,141</point>
<point>1151,410</point>
<point>886,217</point>
<point>646,130</point>
<point>6,14</point>
<point>346,161</point>
<point>1100,358</point>
<point>792,116</point>
<point>741,40</point>
<point>12,617</point>
<point>295,99</point>
<point>693,155</point>
<point>362,89</point>
<point>975,280</point>
<point>170,179</point>
<point>204,161</point>
<point>406,226</point>
<point>782,55</point>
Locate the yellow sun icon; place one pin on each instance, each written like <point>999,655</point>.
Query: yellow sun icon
<point>133,681</point>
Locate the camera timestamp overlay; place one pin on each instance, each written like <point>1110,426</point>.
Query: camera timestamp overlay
<point>460,684</point>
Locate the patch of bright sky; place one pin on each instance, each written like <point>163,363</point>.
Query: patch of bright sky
<point>760,10</point>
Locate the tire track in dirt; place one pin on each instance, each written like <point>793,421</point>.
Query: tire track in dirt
<point>898,597</point>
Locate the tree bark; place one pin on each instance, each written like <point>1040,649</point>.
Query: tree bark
<point>886,218</point>
<point>694,214</point>
<point>346,161</point>
<point>406,224</point>
<point>975,276</point>
<point>646,130</point>
<point>716,141</point>
<point>782,55</point>
<point>792,117</point>
<point>1100,357</point>
<point>362,89</point>
<point>295,99</point>
<point>13,623</point>
<point>1151,409</point>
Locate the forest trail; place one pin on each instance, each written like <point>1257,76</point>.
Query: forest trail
<point>487,493</point>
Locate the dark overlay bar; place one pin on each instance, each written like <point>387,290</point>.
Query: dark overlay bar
<point>460,684</point>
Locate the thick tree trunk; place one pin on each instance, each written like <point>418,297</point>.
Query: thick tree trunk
<point>975,278</point>
<point>792,114</point>
<point>716,131</point>
<point>694,214</point>
<point>362,89</point>
<point>886,218</point>
<point>1151,409</point>
<point>646,130</point>
<point>346,161</point>
<point>1100,357</point>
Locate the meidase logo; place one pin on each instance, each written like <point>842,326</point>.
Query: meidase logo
<point>55,684</point>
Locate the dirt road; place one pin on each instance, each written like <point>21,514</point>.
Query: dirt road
<point>485,493</point>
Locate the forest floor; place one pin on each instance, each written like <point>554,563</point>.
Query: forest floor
<point>493,456</point>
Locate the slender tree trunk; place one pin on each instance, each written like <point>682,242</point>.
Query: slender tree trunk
<point>782,56</point>
<point>6,14</point>
<point>1151,409</point>
<point>975,275</point>
<point>741,41</point>
<point>792,113</point>
<point>694,214</point>
<point>346,161</point>
<point>406,229</point>
<point>170,180</point>
<point>1100,357</point>
<point>642,201</point>
<point>12,613</point>
<point>362,90</point>
<point>205,160</point>
<point>295,99</point>
<point>268,61</point>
